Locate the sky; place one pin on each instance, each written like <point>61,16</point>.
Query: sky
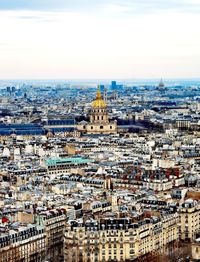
<point>99,39</point>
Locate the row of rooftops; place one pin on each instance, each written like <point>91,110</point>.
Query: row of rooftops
<point>65,161</point>
<point>19,232</point>
<point>114,224</point>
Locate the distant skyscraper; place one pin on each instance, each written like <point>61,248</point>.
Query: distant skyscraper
<point>102,87</point>
<point>114,89</point>
<point>113,85</point>
<point>8,89</point>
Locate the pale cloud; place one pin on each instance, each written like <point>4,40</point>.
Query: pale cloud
<point>120,39</point>
<point>133,6</point>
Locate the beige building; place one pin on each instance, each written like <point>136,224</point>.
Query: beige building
<point>54,222</point>
<point>99,121</point>
<point>30,242</point>
<point>118,239</point>
<point>189,219</point>
<point>196,250</point>
<point>182,124</point>
<point>25,243</point>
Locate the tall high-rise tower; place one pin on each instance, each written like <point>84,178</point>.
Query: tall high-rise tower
<point>113,85</point>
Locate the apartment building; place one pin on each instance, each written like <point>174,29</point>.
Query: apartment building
<point>54,222</point>
<point>22,243</point>
<point>120,239</point>
<point>189,219</point>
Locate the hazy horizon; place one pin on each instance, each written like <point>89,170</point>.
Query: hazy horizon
<point>94,82</point>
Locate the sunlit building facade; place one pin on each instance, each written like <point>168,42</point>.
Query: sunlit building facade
<point>118,239</point>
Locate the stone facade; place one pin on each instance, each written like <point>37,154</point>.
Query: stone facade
<point>99,119</point>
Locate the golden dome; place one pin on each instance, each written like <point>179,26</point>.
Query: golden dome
<point>98,102</point>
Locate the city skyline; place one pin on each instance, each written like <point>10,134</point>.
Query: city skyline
<point>99,130</point>
<point>99,174</point>
<point>92,40</point>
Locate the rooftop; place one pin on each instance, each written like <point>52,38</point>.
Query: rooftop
<point>74,160</point>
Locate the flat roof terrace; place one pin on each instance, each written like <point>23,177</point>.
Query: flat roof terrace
<point>63,161</point>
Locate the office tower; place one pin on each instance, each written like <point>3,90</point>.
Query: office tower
<point>8,89</point>
<point>113,85</point>
<point>102,87</point>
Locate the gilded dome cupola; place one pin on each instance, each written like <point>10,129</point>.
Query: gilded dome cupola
<point>99,102</point>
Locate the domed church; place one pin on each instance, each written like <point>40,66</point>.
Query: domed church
<point>99,121</point>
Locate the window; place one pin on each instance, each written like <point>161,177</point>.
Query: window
<point>110,127</point>
<point>101,127</point>
<point>91,127</point>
